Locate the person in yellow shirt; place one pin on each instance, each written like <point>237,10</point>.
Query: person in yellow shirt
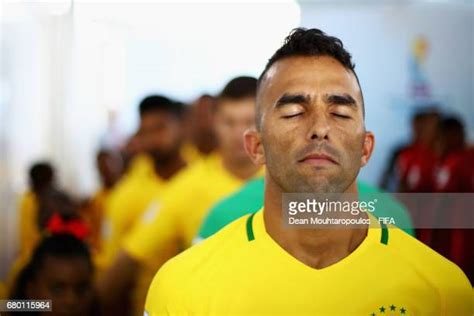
<point>161,136</point>
<point>185,201</point>
<point>195,148</point>
<point>200,137</point>
<point>109,166</point>
<point>41,179</point>
<point>311,137</point>
<point>199,122</point>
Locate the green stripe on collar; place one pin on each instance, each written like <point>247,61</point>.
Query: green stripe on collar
<point>384,237</point>
<point>250,235</point>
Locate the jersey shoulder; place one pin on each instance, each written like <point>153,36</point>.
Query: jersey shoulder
<point>177,278</point>
<point>417,253</point>
<point>192,174</point>
<point>233,236</point>
<point>445,276</point>
<point>28,202</point>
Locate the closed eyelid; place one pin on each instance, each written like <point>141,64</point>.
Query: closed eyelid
<point>342,115</point>
<point>292,109</point>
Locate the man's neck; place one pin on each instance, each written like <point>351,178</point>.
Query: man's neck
<point>167,169</point>
<point>317,248</point>
<point>241,169</point>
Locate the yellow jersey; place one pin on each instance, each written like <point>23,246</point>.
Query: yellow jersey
<point>126,203</point>
<point>141,165</point>
<point>184,204</point>
<point>190,153</point>
<point>93,215</point>
<point>135,197</point>
<point>29,233</point>
<point>174,217</point>
<point>241,270</point>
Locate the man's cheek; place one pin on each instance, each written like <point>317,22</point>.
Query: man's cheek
<point>285,134</point>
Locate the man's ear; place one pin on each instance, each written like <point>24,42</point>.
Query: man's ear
<point>253,146</point>
<point>367,148</point>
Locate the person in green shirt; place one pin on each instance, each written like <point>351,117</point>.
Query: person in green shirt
<point>249,199</point>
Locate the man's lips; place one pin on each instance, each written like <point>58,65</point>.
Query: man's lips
<point>318,159</point>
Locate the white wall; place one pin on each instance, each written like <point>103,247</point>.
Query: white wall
<point>44,113</point>
<point>26,129</point>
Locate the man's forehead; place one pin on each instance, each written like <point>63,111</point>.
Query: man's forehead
<point>310,74</point>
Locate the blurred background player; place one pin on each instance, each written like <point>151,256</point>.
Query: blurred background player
<point>160,137</point>
<point>109,167</point>
<point>416,163</point>
<point>60,270</point>
<point>41,179</point>
<point>184,202</point>
<point>451,176</point>
<point>200,130</point>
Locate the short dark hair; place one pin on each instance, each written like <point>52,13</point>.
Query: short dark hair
<point>58,246</point>
<point>161,103</point>
<point>425,112</point>
<point>451,123</point>
<point>41,175</point>
<point>240,88</point>
<point>302,42</point>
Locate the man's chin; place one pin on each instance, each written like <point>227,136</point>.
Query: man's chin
<point>315,170</point>
<point>317,189</point>
<point>316,184</point>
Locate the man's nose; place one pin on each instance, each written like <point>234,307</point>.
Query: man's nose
<point>319,127</point>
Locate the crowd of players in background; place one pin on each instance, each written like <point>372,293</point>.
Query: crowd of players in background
<point>75,252</point>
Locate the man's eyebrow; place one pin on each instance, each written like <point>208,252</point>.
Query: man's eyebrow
<point>292,99</point>
<point>341,99</point>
